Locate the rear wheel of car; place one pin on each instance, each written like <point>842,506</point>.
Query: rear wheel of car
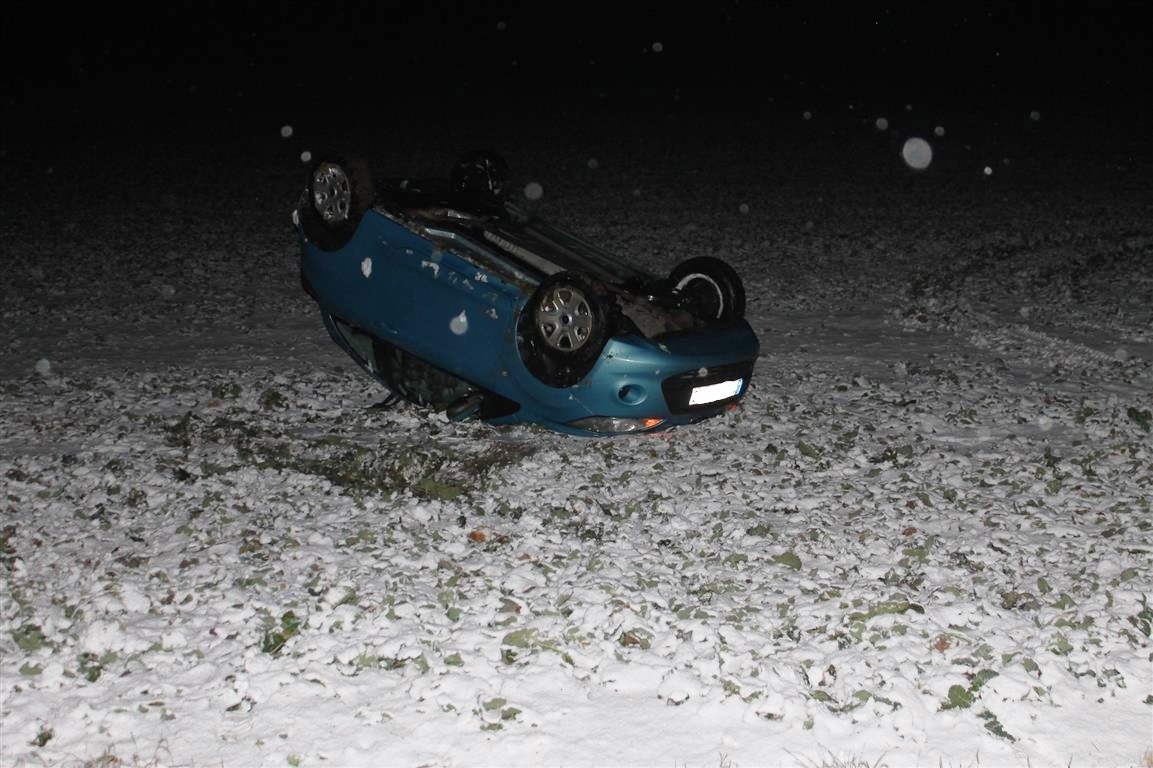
<point>340,191</point>
<point>709,288</point>
<point>563,328</point>
<point>480,173</point>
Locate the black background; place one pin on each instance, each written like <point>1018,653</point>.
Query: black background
<point>70,72</point>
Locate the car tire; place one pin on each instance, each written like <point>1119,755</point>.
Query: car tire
<point>563,328</point>
<point>481,173</point>
<point>709,288</point>
<point>340,191</point>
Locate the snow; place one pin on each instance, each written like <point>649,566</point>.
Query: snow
<point>923,539</point>
<point>917,153</point>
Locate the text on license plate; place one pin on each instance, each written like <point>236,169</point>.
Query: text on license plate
<point>711,393</point>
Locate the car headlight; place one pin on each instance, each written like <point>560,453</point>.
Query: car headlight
<point>615,425</point>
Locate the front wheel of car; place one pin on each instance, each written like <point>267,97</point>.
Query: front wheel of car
<point>563,328</point>
<point>339,192</point>
<point>709,288</point>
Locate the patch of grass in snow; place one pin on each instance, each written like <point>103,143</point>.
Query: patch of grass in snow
<point>273,399</point>
<point>279,633</point>
<point>636,638</point>
<point>91,666</point>
<point>1143,620</point>
<point>829,760</point>
<point>574,525</point>
<point>391,663</point>
<point>519,644</point>
<point>962,697</point>
<point>495,712</point>
<point>1143,418</point>
<point>993,725</point>
<point>7,550</point>
<point>429,470</point>
<point>788,560</point>
<point>226,391</point>
<point>896,456</point>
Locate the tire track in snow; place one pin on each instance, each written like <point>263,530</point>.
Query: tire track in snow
<point>1033,344</point>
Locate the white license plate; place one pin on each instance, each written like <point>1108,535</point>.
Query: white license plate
<point>714,392</point>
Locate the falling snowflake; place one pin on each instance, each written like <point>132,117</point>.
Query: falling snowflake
<point>366,267</point>
<point>939,130</point>
<point>744,208</point>
<point>306,156</point>
<point>501,26</point>
<point>286,131</point>
<point>1034,115</point>
<point>459,324</point>
<point>882,124</point>
<point>658,47</point>
<point>807,115</point>
<point>988,171</point>
<point>594,163</point>
<point>917,153</point>
<point>533,190</point>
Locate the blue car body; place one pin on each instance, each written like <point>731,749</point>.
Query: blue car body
<point>448,283</point>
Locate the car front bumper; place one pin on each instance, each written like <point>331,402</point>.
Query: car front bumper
<point>644,384</point>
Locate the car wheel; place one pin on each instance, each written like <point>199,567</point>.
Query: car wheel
<point>339,192</point>
<point>709,288</point>
<point>563,328</point>
<point>480,173</point>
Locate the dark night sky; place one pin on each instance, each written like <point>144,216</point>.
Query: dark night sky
<point>172,60</point>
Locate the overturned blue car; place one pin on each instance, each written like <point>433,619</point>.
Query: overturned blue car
<point>457,299</point>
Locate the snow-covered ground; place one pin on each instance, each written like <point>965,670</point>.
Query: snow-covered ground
<point>925,539</point>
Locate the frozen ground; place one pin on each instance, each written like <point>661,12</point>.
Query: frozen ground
<point>924,540</point>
